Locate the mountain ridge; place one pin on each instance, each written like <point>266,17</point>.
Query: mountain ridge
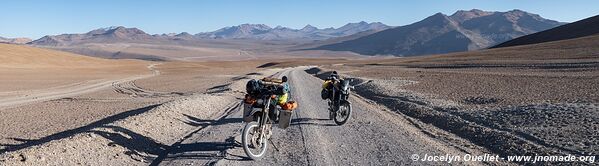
<point>118,33</point>
<point>581,28</point>
<point>462,31</point>
<point>242,31</point>
<point>264,32</point>
<point>18,40</point>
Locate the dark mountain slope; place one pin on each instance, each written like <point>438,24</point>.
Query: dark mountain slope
<point>462,31</point>
<point>585,27</point>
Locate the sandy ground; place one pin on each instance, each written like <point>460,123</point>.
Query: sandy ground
<point>24,69</point>
<point>71,110</point>
<point>55,95</point>
<point>199,51</point>
<point>191,77</point>
<point>111,127</point>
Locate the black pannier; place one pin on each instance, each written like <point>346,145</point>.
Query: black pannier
<point>253,87</point>
<point>324,94</point>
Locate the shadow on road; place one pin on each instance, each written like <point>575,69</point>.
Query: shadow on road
<point>211,151</point>
<point>218,89</point>
<point>193,121</point>
<point>68,133</point>
<point>135,143</point>
<point>312,121</point>
<point>237,78</point>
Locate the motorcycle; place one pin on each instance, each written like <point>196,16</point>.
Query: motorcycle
<point>258,130</point>
<point>339,106</point>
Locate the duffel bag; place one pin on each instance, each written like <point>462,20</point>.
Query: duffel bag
<point>253,87</point>
<point>291,105</point>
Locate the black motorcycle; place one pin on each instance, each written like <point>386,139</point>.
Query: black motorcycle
<point>337,95</point>
<point>258,129</point>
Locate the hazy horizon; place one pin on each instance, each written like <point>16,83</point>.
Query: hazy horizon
<point>34,19</point>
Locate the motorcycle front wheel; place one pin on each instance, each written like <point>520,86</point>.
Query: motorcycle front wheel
<point>343,113</point>
<point>253,141</point>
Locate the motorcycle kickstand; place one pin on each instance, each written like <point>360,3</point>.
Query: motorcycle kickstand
<point>273,144</point>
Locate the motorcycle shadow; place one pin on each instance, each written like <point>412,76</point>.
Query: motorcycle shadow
<point>208,151</point>
<point>312,121</point>
<point>196,122</point>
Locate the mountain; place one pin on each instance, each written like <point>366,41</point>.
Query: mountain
<point>244,31</point>
<point>14,40</point>
<point>309,45</point>
<point>309,32</point>
<point>585,27</point>
<point>439,33</point>
<point>111,34</point>
<point>353,28</point>
<point>131,43</point>
<point>309,28</point>
<point>238,32</point>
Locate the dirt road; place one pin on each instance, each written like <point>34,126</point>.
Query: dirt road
<point>70,90</point>
<point>372,137</point>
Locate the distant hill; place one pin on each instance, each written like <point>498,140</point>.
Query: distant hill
<point>111,34</point>
<point>14,40</point>
<point>309,32</point>
<point>439,33</point>
<point>308,46</point>
<point>119,34</point>
<point>585,27</point>
<point>236,42</point>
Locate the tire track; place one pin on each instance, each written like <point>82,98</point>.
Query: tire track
<point>131,89</point>
<point>69,91</point>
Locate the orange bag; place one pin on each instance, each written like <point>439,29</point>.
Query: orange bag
<point>291,105</point>
<point>249,99</point>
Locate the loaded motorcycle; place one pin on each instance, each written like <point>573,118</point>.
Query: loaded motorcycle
<point>260,113</point>
<point>336,92</point>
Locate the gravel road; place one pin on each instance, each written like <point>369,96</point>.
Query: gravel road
<point>373,136</point>
<point>71,90</point>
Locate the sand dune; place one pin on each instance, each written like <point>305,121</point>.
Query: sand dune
<point>19,56</point>
<point>24,68</point>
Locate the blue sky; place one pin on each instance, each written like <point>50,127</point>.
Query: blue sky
<point>34,19</point>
